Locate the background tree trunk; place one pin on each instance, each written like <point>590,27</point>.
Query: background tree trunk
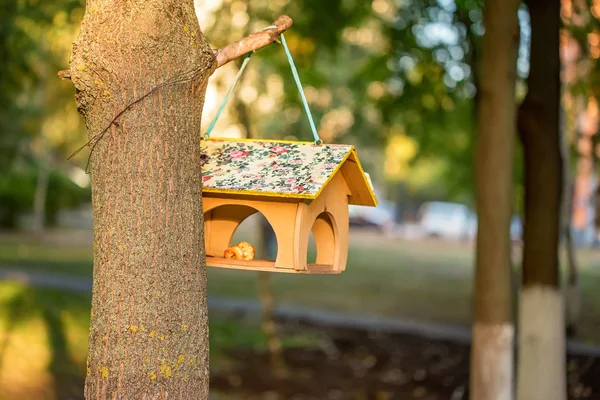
<point>149,325</point>
<point>572,290</point>
<point>39,200</point>
<point>263,247</point>
<point>541,367</point>
<point>44,167</point>
<point>493,328</point>
<point>269,326</point>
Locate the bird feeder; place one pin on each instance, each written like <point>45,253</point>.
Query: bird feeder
<point>298,187</point>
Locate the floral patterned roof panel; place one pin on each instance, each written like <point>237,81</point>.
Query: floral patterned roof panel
<point>271,168</point>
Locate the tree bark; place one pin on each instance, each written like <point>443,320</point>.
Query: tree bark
<point>141,68</point>
<point>541,360</point>
<point>493,327</point>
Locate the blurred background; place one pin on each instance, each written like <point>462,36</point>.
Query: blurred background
<point>395,78</point>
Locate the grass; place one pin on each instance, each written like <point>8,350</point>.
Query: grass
<point>72,260</point>
<point>383,280</point>
<point>44,338</point>
<point>43,332</point>
<point>43,342</point>
<point>426,281</point>
<point>57,251</point>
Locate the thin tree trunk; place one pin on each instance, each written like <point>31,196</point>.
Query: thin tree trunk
<point>573,291</point>
<point>493,327</point>
<point>597,205</point>
<point>141,69</point>
<point>541,363</point>
<point>267,301</point>
<point>269,326</point>
<point>265,293</point>
<point>43,175</point>
<point>39,201</point>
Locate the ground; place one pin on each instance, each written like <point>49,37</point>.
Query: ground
<point>358,364</point>
<point>43,333</point>
<point>43,339</point>
<point>424,280</point>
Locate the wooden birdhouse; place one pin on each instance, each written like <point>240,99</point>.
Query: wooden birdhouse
<point>296,186</point>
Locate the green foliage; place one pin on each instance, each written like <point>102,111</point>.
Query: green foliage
<point>17,193</point>
<point>16,197</point>
<point>29,60</point>
<point>63,194</point>
<point>377,67</point>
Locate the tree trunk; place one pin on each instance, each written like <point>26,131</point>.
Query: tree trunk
<point>541,368</point>
<point>43,159</point>
<point>265,294</point>
<point>573,291</point>
<point>39,201</point>
<point>144,65</point>
<point>493,327</point>
<point>274,347</point>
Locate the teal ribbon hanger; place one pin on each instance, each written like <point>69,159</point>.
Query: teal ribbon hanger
<point>296,79</point>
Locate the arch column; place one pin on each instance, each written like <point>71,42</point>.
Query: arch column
<point>324,233</point>
<point>327,217</point>
<point>224,215</point>
<point>220,225</point>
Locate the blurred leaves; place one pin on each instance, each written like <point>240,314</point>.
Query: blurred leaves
<point>377,67</point>
<point>17,191</point>
<point>35,40</point>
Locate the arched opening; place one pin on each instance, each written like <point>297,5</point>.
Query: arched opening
<point>286,249</point>
<point>323,232</point>
<point>229,224</point>
<point>257,231</point>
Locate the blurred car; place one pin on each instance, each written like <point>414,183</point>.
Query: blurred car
<point>516,227</point>
<point>447,220</point>
<point>382,217</point>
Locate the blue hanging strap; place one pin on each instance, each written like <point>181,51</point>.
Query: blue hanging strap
<point>296,79</point>
<point>235,81</point>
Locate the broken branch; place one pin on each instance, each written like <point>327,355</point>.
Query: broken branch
<point>253,42</point>
<point>64,74</point>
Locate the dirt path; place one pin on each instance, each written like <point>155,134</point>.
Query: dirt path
<point>43,280</point>
<point>351,364</point>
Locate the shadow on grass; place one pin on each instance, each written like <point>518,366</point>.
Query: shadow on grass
<point>65,372</point>
<point>54,310</point>
<point>15,311</point>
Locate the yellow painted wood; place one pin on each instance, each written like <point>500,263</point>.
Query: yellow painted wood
<point>327,217</point>
<point>225,215</point>
<point>361,192</point>
<point>292,218</point>
<point>268,266</point>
